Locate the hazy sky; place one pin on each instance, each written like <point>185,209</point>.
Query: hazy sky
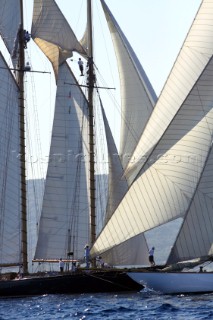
<point>155,29</point>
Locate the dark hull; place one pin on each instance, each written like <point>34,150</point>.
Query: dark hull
<point>72,283</point>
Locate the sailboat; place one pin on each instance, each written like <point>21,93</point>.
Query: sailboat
<point>172,177</point>
<point>70,207</point>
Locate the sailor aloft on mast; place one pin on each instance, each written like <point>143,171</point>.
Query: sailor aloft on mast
<point>81,66</point>
<point>27,37</point>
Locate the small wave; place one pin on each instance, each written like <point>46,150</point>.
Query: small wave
<point>167,307</point>
<point>207,316</point>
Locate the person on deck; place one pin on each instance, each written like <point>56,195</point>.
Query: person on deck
<point>74,266</point>
<point>61,265</point>
<point>87,255</point>
<point>81,66</point>
<point>151,256</point>
<point>21,272</point>
<point>100,262</point>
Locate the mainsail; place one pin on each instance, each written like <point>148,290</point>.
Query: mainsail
<point>10,159</point>
<point>13,249</point>
<point>10,17</point>
<point>64,225</point>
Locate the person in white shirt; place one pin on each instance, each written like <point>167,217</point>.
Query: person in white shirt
<point>100,262</point>
<point>151,256</point>
<point>61,265</point>
<point>81,66</point>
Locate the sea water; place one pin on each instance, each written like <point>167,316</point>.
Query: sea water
<point>121,306</point>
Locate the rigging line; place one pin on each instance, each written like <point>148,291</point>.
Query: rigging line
<point>101,17</point>
<point>32,113</point>
<point>86,86</point>
<point>121,112</point>
<point>79,16</point>
<point>131,129</point>
<point>24,70</point>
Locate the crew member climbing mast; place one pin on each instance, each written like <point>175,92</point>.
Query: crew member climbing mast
<point>27,38</point>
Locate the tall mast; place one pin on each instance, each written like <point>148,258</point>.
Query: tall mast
<point>91,79</point>
<point>21,65</point>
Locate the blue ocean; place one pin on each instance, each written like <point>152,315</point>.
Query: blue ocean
<point>121,306</point>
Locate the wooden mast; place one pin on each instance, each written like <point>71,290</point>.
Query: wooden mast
<point>21,65</point>
<point>91,79</point>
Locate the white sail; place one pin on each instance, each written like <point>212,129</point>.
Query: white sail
<point>166,185</point>
<point>193,57</point>
<point>64,225</point>
<point>137,95</point>
<point>197,241</point>
<point>52,33</point>
<point>10,212</point>
<point>117,185</point>
<point>123,255</point>
<point>10,22</point>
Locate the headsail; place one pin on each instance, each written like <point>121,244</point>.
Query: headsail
<point>124,255</point>
<point>165,187</point>
<point>194,56</point>
<point>137,95</point>
<point>64,222</point>
<point>197,241</point>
